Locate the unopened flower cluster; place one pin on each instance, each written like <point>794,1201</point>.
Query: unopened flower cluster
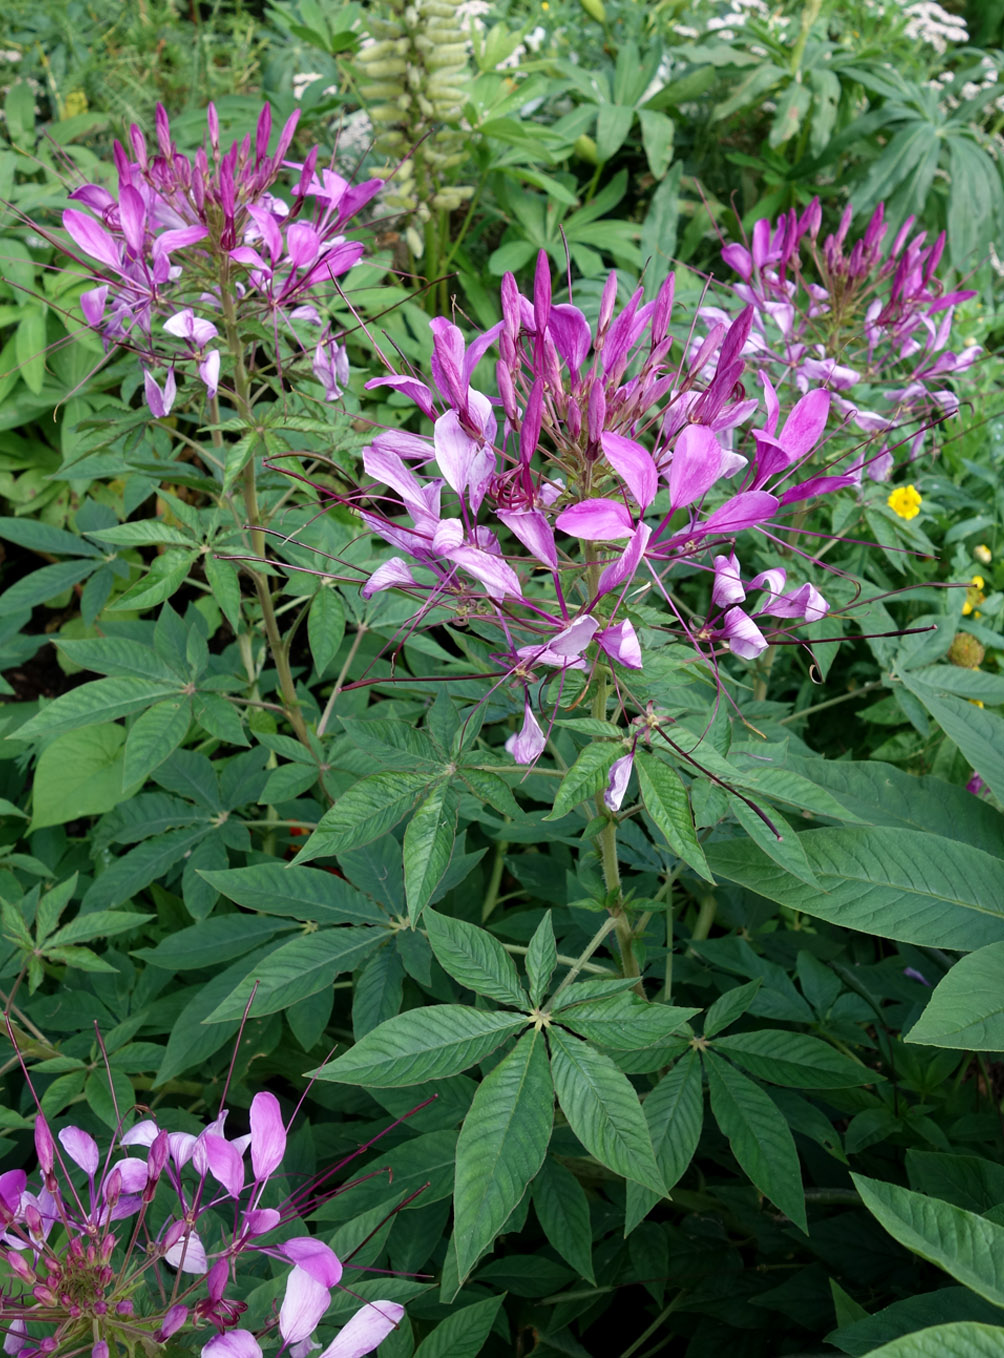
<point>596,468</point>
<point>109,1251</point>
<point>871,324</point>
<point>190,247</point>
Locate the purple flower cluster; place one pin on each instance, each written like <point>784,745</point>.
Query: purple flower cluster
<point>871,325</point>
<point>78,1281</point>
<point>184,238</point>
<point>596,463</point>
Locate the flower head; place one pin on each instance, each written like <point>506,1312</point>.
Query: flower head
<point>905,501</point>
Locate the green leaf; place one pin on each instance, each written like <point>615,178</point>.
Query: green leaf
<point>166,575</point>
<point>44,584</point>
<point>586,777</point>
<point>365,811</point>
<point>657,139</point>
<point>299,967</point>
<point>667,803</point>
<point>142,533</point>
<point>787,851</point>
<point>118,656</point>
<point>626,1022</point>
<point>78,774</point>
<point>960,1339</point>
<point>99,701</point>
<point>153,736</point>
<point>502,1145</point>
<point>96,924</point>
<point>602,1109</point>
<point>966,1009</point>
<point>912,886</point>
<point>140,866</point>
<point>308,894</point>
<point>967,1246</point>
<point>563,1212</point>
<point>674,1111</point>
<point>428,847</point>
<point>978,732</point>
<point>464,1333</point>
<point>659,229</point>
<point>222,578</point>
<point>325,626</point>
<point>424,1044</point>
<point>794,1059</point>
<point>613,124</point>
<point>759,1137</point>
<point>475,958</point>
<point>730,1006</point>
<point>37,535</point>
<point>211,942</point>
<point>541,958</point>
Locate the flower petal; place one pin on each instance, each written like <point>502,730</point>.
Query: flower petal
<point>596,521</point>
<point>366,1330</point>
<point>304,1303</point>
<point>634,463</point>
<point>268,1135</point>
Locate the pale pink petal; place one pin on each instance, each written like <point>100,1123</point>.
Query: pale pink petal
<point>188,1254</point>
<point>744,637</point>
<point>534,532</point>
<point>315,1258</point>
<point>81,1148</point>
<point>92,304</point>
<point>93,239</point>
<point>366,1330</point>
<point>574,639</point>
<point>728,587</point>
<point>617,782</point>
<point>232,1344</point>
<point>225,1163</point>
<point>624,566</point>
<point>804,426</point>
<point>303,1305</point>
<point>696,465</point>
<point>528,744</point>
<point>393,572</point>
<point>268,1135</point>
<point>743,511</point>
<point>621,643</point>
<point>209,371</point>
<point>133,1174</point>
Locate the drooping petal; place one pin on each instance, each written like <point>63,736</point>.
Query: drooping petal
<point>160,399</point>
<point>744,510</point>
<point>573,639</point>
<point>366,1330</point>
<point>81,1148</point>
<point>393,572</point>
<point>816,485</point>
<point>528,744</point>
<point>728,587</point>
<point>92,304</point>
<point>634,463</point>
<point>596,521</point>
<point>304,1303</point>
<point>133,1174</point>
<point>209,371</point>
<point>188,1254</point>
<point>773,581</point>
<point>623,567</point>
<point>617,782</point>
<point>744,637</point>
<point>805,602</point>
<point>533,531</point>
<point>621,643</point>
<point>232,1344</point>
<point>315,1258</point>
<point>260,1220</point>
<point>93,239</point>
<point>225,1163</point>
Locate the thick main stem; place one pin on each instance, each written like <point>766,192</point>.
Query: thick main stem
<point>608,854</point>
<point>249,489</point>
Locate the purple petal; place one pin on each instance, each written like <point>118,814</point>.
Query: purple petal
<point>728,587</point>
<point>447,361</point>
<point>696,465</point>
<point>92,304</point>
<point>804,426</point>
<point>303,244</point>
<point>393,572</point>
<point>738,257</point>
<point>225,1163</point>
<point>743,511</point>
<point>260,1220</point>
<point>132,215</point>
<point>412,388</point>
<point>571,334</point>
<point>209,372</point>
<point>624,566</point>
<point>596,521</point>
<point>805,602</point>
<point>744,637</point>
<point>188,1254</point>
<point>463,460</point>
<point>93,239</point>
<point>160,400</point>
<point>533,531</point>
<point>315,1258</point>
<point>617,783</point>
<point>621,644</point>
<point>366,1330</point>
<point>773,581</point>
<point>81,1148</point>
<point>268,1135</point>
<point>816,485</point>
<point>232,1344</point>
<point>632,462</point>
<point>133,1174</point>
<point>574,639</point>
<point>528,745</point>
<point>13,1182</point>
<point>303,1305</point>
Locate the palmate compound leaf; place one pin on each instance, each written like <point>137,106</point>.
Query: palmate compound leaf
<point>759,1136</point>
<point>502,1146</point>
<point>603,1110</point>
<point>422,1044</point>
<point>966,1245</point>
<point>966,1009</point>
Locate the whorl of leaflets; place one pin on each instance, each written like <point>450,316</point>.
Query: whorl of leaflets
<point>595,464</point>
<point>183,231</point>
<point>77,1283</point>
<point>871,324</point>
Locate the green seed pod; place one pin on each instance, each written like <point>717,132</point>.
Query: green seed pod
<point>595,9</point>
<point>585,148</point>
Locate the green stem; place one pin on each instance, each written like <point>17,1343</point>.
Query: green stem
<point>608,855</point>
<point>520,950</point>
<point>832,702</point>
<point>329,706</point>
<point>242,400</point>
<point>581,963</point>
<point>705,919</point>
<point>491,899</point>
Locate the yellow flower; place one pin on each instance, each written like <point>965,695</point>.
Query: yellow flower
<point>905,501</point>
<point>982,554</point>
<point>974,596</point>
